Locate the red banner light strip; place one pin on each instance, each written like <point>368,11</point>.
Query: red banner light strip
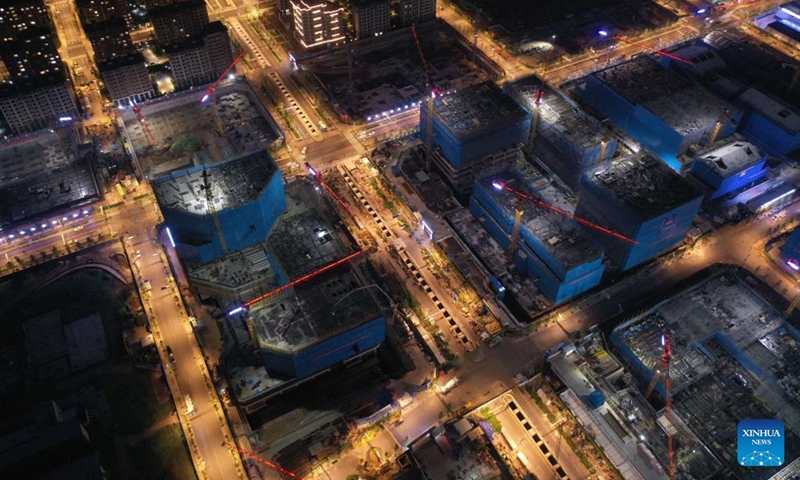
<point>305,277</point>
<point>567,214</point>
<point>660,52</point>
<point>262,461</point>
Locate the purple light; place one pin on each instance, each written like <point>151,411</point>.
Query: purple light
<point>793,263</point>
<point>171,240</point>
<point>498,185</point>
<point>205,97</point>
<point>235,311</point>
<point>603,33</point>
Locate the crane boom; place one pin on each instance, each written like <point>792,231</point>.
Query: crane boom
<point>431,104</point>
<point>654,50</point>
<point>213,212</point>
<point>666,358</point>
<point>147,132</point>
<point>213,87</point>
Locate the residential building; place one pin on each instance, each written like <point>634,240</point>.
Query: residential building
<point>37,106</point>
<point>317,22</point>
<point>202,58</point>
<point>641,198</point>
<point>218,48</point>
<point>127,79</point>
<point>178,22</point>
<point>19,16</point>
<point>371,17</point>
<point>415,11</point>
<point>95,11</point>
<point>109,39</point>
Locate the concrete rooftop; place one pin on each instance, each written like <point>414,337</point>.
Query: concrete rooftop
<point>476,108</point>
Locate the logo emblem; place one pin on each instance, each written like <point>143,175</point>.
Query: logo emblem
<point>760,443</point>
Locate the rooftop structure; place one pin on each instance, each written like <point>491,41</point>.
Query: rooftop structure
<point>783,115</point>
<point>729,167</point>
<point>41,174</point>
<point>675,100</point>
<point>730,348</point>
<point>643,185</point>
<point>233,183</point>
<point>562,238</point>
<point>658,107</point>
<point>565,138</point>
<point>642,199</point>
<point>704,61</point>
<point>770,122</point>
<point>247,195</point>
<point>303,242</point>
<point>551,247</point>
<point>476,110</point>
<point>188,132</point>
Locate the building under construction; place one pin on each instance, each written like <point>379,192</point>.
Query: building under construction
<point>565,138</point>
<point>221,208</point>
<point>642,199</point>
<point>661,109</point>
<point>733,358</point>
<point>548,247</point>
<point>475,131</point>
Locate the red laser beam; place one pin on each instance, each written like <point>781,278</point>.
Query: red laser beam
<point>562,212</point>
<point>317,175</point>
<point>305,277</point>
<point>660,52</point>
<point>258,459</point>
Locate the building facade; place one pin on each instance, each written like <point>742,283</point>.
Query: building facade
<point>179,22</point>
<point>730,167</point>
<point>218,48</point>
<point>201,59</point>
<point>642,199</point>
<point>415,11</point>
<point>246,212</point>
<point>372,18</point>
<point>769,122</point>
<point>127,79</point>
<point>317,22</point>
<point>44,106</point>
<point>20,16</point>
<point>566,261</point>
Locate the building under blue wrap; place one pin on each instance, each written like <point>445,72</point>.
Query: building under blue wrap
<point>790,251</point>
<point>769,122</point>
<point>473,123</point>
<point>641,198</point>
<point>248,195</point>
<point>551,247</point>
<point>661,109</point>
<point>729,168</point>
<point>330,319</point>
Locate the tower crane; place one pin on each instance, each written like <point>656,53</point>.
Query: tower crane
<point>512,247</point>
<point>431,97</point>
<point>147,132</point>
<point>499,185</point>
<point>213,87</point>
<point>666,358</point>
<point>213,212</point>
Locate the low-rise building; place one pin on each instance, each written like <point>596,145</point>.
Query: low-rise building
<point>730,167</point>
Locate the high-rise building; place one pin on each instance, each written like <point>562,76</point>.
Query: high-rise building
<point>178,22</point>
<point>371,17</point>
<point>202,58</point>
<point>416,11</point>
<point>218,48</point>
<point>30,56</point>
<point>127,79</point>
<point>94,11</point>
<point>36,106</point>
<point>18,16</point>
<point>642,199</point>
<point>109,39</point>
<point>317,22</point>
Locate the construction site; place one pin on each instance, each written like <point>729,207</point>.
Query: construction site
<point>719,352</point>
<point>658,107</point>
<point>216,209</point>
<point>541,242</point>
<point>44,173</point>
<point>384,75</point>
<point>181,130</point>
<point>562,136</point>
<point>642,198</point>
